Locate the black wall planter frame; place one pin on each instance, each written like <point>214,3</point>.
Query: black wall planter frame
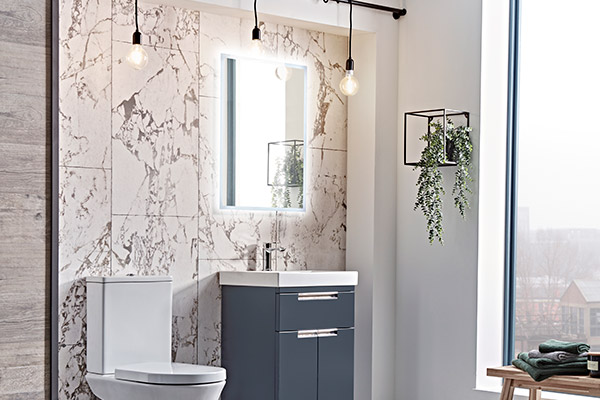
<point>431,115</point>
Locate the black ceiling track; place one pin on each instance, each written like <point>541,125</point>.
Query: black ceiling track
<point>396,12</point>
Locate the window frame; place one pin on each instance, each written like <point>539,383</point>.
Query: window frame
<point>511,182</point>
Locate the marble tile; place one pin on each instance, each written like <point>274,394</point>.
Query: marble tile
<point>84,243</point>
<point>325,57</point>
<point>85,83</point>
<point>155,137</point>
<point>316,239</point>
<point>72,312</point>
<point>161,25</point>
<point>232,36</point>
<point>219,35</point>
<point>150,203</point>
<point>72,384</point>
<point>209,309</point>
<point>163,246</point>
<point>224,233</point>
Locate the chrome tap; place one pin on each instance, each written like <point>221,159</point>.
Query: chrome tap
<point>268,256</point>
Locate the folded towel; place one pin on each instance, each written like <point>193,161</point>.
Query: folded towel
<point>544,363</point>
<point>539,374</point>
<point>552,345</point>
<point>558,356</point>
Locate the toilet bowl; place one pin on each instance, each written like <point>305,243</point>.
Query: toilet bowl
<point>159,381</point>
<point>129,344</point>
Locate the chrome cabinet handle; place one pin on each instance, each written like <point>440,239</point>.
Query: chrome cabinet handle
<point>318,296</point>
<point>327,333</point>
<point>317,333</point>
<point>307,334</point>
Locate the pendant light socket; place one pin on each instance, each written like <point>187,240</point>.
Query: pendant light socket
<point>256,33</point>
<point>349,64</point>
<point>137,38</point>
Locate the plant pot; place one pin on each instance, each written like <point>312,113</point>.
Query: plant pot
<point>450,151</point>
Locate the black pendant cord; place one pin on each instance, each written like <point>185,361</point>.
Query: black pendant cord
<point>255,16</point>
<point>396,12</point>
<point>137,28</point>
<point>350,36</point>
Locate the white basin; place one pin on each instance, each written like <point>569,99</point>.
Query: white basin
<point>288,278</point>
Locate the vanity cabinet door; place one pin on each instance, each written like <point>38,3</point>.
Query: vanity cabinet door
<point>336,365</point>
<point>315,310</point>
<point>297,366</point>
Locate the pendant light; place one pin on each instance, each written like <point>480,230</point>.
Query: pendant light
<point>349,85</point>
<point>137,56</point>
<point>257,45</point>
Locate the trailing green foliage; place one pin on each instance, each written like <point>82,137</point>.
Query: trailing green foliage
<point>463,148</point>
<point>429,195</point>
<point>430,181</point>
<point>289,173</point>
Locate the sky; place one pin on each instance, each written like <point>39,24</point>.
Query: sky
<point>559,125</point>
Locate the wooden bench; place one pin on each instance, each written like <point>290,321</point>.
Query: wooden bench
<point>515,378</point>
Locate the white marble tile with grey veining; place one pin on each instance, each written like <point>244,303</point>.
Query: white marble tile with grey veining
<point>84,243</point>
<point>209,309</point>
<point>224,35</point>
<point>316,239</point>
<point>84,83</point>
<point>224,233</point>
<point>71,373</point>
<point>325,57</point>
<point>218,35</point>
<point>161,25</point>
<point>155,134</point>
<point>163,246</point>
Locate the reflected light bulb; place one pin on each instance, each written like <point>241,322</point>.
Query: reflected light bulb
<point>349,85</point>
<point>137,57</point>
<point>283,73</point>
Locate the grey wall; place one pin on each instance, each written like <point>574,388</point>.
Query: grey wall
<point>24,198</point>
<point>440,48</point>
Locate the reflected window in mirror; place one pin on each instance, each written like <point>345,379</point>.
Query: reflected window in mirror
<point>263,135</point>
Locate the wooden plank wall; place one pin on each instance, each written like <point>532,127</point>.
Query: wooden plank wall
<point>25,173</point>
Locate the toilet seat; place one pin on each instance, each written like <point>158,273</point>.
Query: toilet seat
<point>163,373</point>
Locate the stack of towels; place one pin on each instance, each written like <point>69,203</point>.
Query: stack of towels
<point>554,357</point>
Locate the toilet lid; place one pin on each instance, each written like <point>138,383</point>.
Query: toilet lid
<point>170,373</point>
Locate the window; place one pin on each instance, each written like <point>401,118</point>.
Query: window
<point>595,322</point>
<point>555,265</point>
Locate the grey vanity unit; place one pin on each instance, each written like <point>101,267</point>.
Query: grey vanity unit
<point>284,342</point>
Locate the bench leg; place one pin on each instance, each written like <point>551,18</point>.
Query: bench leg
<point>508,390</point>
<point>535,394</point>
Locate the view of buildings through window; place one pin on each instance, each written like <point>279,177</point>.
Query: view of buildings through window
<point>558,238</point>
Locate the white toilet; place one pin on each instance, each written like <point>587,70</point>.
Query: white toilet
<point>129,344</point>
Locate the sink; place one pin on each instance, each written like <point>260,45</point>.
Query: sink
<point>288,278</point>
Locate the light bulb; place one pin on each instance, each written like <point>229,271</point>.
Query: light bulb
<point>137,57</point>
<point>349,85</point>
<point>283,73</point>
<point>257,47</point>
<point>257,44</point>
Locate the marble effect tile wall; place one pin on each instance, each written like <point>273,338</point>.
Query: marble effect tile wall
<point>139,166</point>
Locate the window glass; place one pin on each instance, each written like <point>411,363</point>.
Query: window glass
<point>595,322</point>
<point>558,235</point>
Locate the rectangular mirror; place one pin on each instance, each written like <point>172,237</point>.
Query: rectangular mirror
<point>263,134</point>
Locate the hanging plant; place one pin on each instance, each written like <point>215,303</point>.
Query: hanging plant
<point>462,150</point>
<point>289,174</point>
<point>458,148</point>
<point>431,189</point>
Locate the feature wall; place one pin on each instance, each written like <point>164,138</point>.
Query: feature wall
<point>139,166</point>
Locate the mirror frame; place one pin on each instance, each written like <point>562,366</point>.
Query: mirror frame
<point>223,134</point>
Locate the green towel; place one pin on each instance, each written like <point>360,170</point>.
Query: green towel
<point>556,345</point>
<point>539,374</point>
<point>543,363</point>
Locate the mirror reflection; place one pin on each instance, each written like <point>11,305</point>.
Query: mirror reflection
<point>264,125</point>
